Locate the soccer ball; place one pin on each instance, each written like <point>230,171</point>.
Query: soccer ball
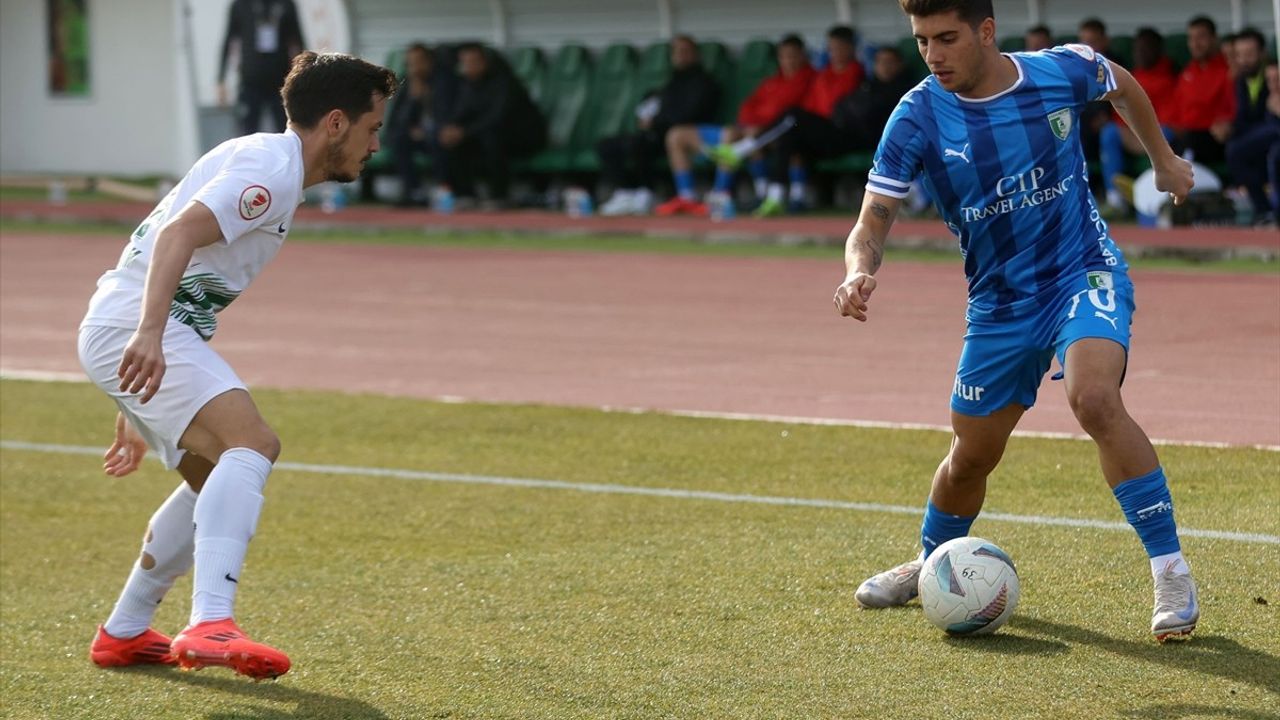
<point>968,586</point>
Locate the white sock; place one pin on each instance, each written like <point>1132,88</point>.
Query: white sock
<point>744,147</point>
<point>168,545</point>
<point>1115,198</point>
<point>225,518</point>
<point>1174,559</point>
<point>773,192</point>
<point>796,193</point>
<point>761,186</point>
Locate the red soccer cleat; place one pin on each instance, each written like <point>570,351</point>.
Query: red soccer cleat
<point>149,648</point>
<point>220,643</point>
<point>680,206</point>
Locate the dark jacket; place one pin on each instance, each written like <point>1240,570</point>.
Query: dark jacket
<point>498,103</point>
<point>865,111</point>
<point>1249,113</point>
<point>690,97</point>
<point>250,21</point>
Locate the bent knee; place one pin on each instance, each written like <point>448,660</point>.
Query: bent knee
<point>1096,408</point>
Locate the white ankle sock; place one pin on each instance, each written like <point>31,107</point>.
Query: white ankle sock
<point>774,192</point>
<point>168,543</point>
<point>761,186</point>
<point>1179,563</point>
<point>796,192</point>
<point>225,518</point>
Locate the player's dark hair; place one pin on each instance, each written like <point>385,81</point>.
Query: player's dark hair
<point>469,46</point>
<point>1094,24</point>
<point>320,82</point>
<point>685,37</point>
<point>417,47</point>
<point>1203,21</point>
<point>1040,30</point>
<point>1251,33</point>
<point>1151,34</point>
<point>972,12</point>
<point>793,40</point>
<point>843,33</point>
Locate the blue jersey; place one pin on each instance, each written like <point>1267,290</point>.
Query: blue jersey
<point>1008,176</point>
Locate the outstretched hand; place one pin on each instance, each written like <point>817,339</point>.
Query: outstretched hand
<point>126,453</point>
<point>852,296</point>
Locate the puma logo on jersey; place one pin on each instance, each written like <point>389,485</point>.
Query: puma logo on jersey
<point>1108,318</point>
<point>962,153</point>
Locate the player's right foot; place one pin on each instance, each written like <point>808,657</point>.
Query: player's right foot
<point>1177,606</point>
<point>890,588</point>
<point>680,206</point>
<point>149,648</point>
<point>220,643</point>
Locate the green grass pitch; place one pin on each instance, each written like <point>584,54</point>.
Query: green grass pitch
<point>402,598</point>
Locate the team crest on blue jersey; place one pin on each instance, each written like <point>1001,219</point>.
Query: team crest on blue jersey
<point>1060,121</point>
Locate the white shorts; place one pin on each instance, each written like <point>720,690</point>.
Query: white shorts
<point>194,375</point>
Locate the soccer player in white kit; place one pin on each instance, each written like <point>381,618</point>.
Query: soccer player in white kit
<point>144,342</point>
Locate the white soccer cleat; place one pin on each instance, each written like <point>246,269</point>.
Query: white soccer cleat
<point>1177,606</point>
<point>890,588</point>
<point>620,204</point>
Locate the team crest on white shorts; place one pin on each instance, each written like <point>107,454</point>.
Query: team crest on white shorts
<point>254,201</point>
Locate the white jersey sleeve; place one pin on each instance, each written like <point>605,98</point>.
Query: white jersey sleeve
<point>252,191</point>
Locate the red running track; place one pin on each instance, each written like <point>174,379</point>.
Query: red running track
<point>737,335</point>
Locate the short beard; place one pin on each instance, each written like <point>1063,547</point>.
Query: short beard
<point>334,160</point>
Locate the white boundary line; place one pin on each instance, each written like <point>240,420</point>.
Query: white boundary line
<point>56,376</point>
<point>676,493</point>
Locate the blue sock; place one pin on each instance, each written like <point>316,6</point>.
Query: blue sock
<point>1111,153</point>
<point>1148,507</point>
<point>724,180</point>
<point>798,175</point>
<point>939,527</point>
<point>758,168</point>
<point>684,183</point>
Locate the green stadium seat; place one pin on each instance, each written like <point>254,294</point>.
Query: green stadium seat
<point>564,105</point>
<point>851,164</point>
<point>655,67</point>
<point>910,50</point>
<point>530,66</point>
<point>610,108</point>
<point>719,64</point>
<point>757,62</point>
<point>1175,46</point>
<point>1013,43</point>
<point>1121,50</point>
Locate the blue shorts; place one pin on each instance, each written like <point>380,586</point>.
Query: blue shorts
<point>1003,361</point>
<point>709,134</point>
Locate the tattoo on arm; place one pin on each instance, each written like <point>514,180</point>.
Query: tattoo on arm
<point>880,211</point>
<point>871,244</point>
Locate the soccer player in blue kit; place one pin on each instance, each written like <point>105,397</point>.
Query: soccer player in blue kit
<point>995,139</point>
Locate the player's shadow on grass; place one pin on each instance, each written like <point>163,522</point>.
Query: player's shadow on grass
<point>1208,654</point>
<point>304,703</point>
<point>1008,644</point>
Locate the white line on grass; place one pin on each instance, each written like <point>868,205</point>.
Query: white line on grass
<point>613,489</point>
<point>53,376</point>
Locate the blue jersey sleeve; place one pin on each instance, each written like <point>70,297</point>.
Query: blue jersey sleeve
<point>1089,72</point>
<point>898,158</point>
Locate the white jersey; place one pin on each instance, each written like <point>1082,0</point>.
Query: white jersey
<point>253,185</point>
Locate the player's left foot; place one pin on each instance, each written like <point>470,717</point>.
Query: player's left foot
<point>149,648</point>
<point>724,155</point>
<point>891,588</point>
<point>221,643</point>
<point>769,208</point>
<point>1177,606</point>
